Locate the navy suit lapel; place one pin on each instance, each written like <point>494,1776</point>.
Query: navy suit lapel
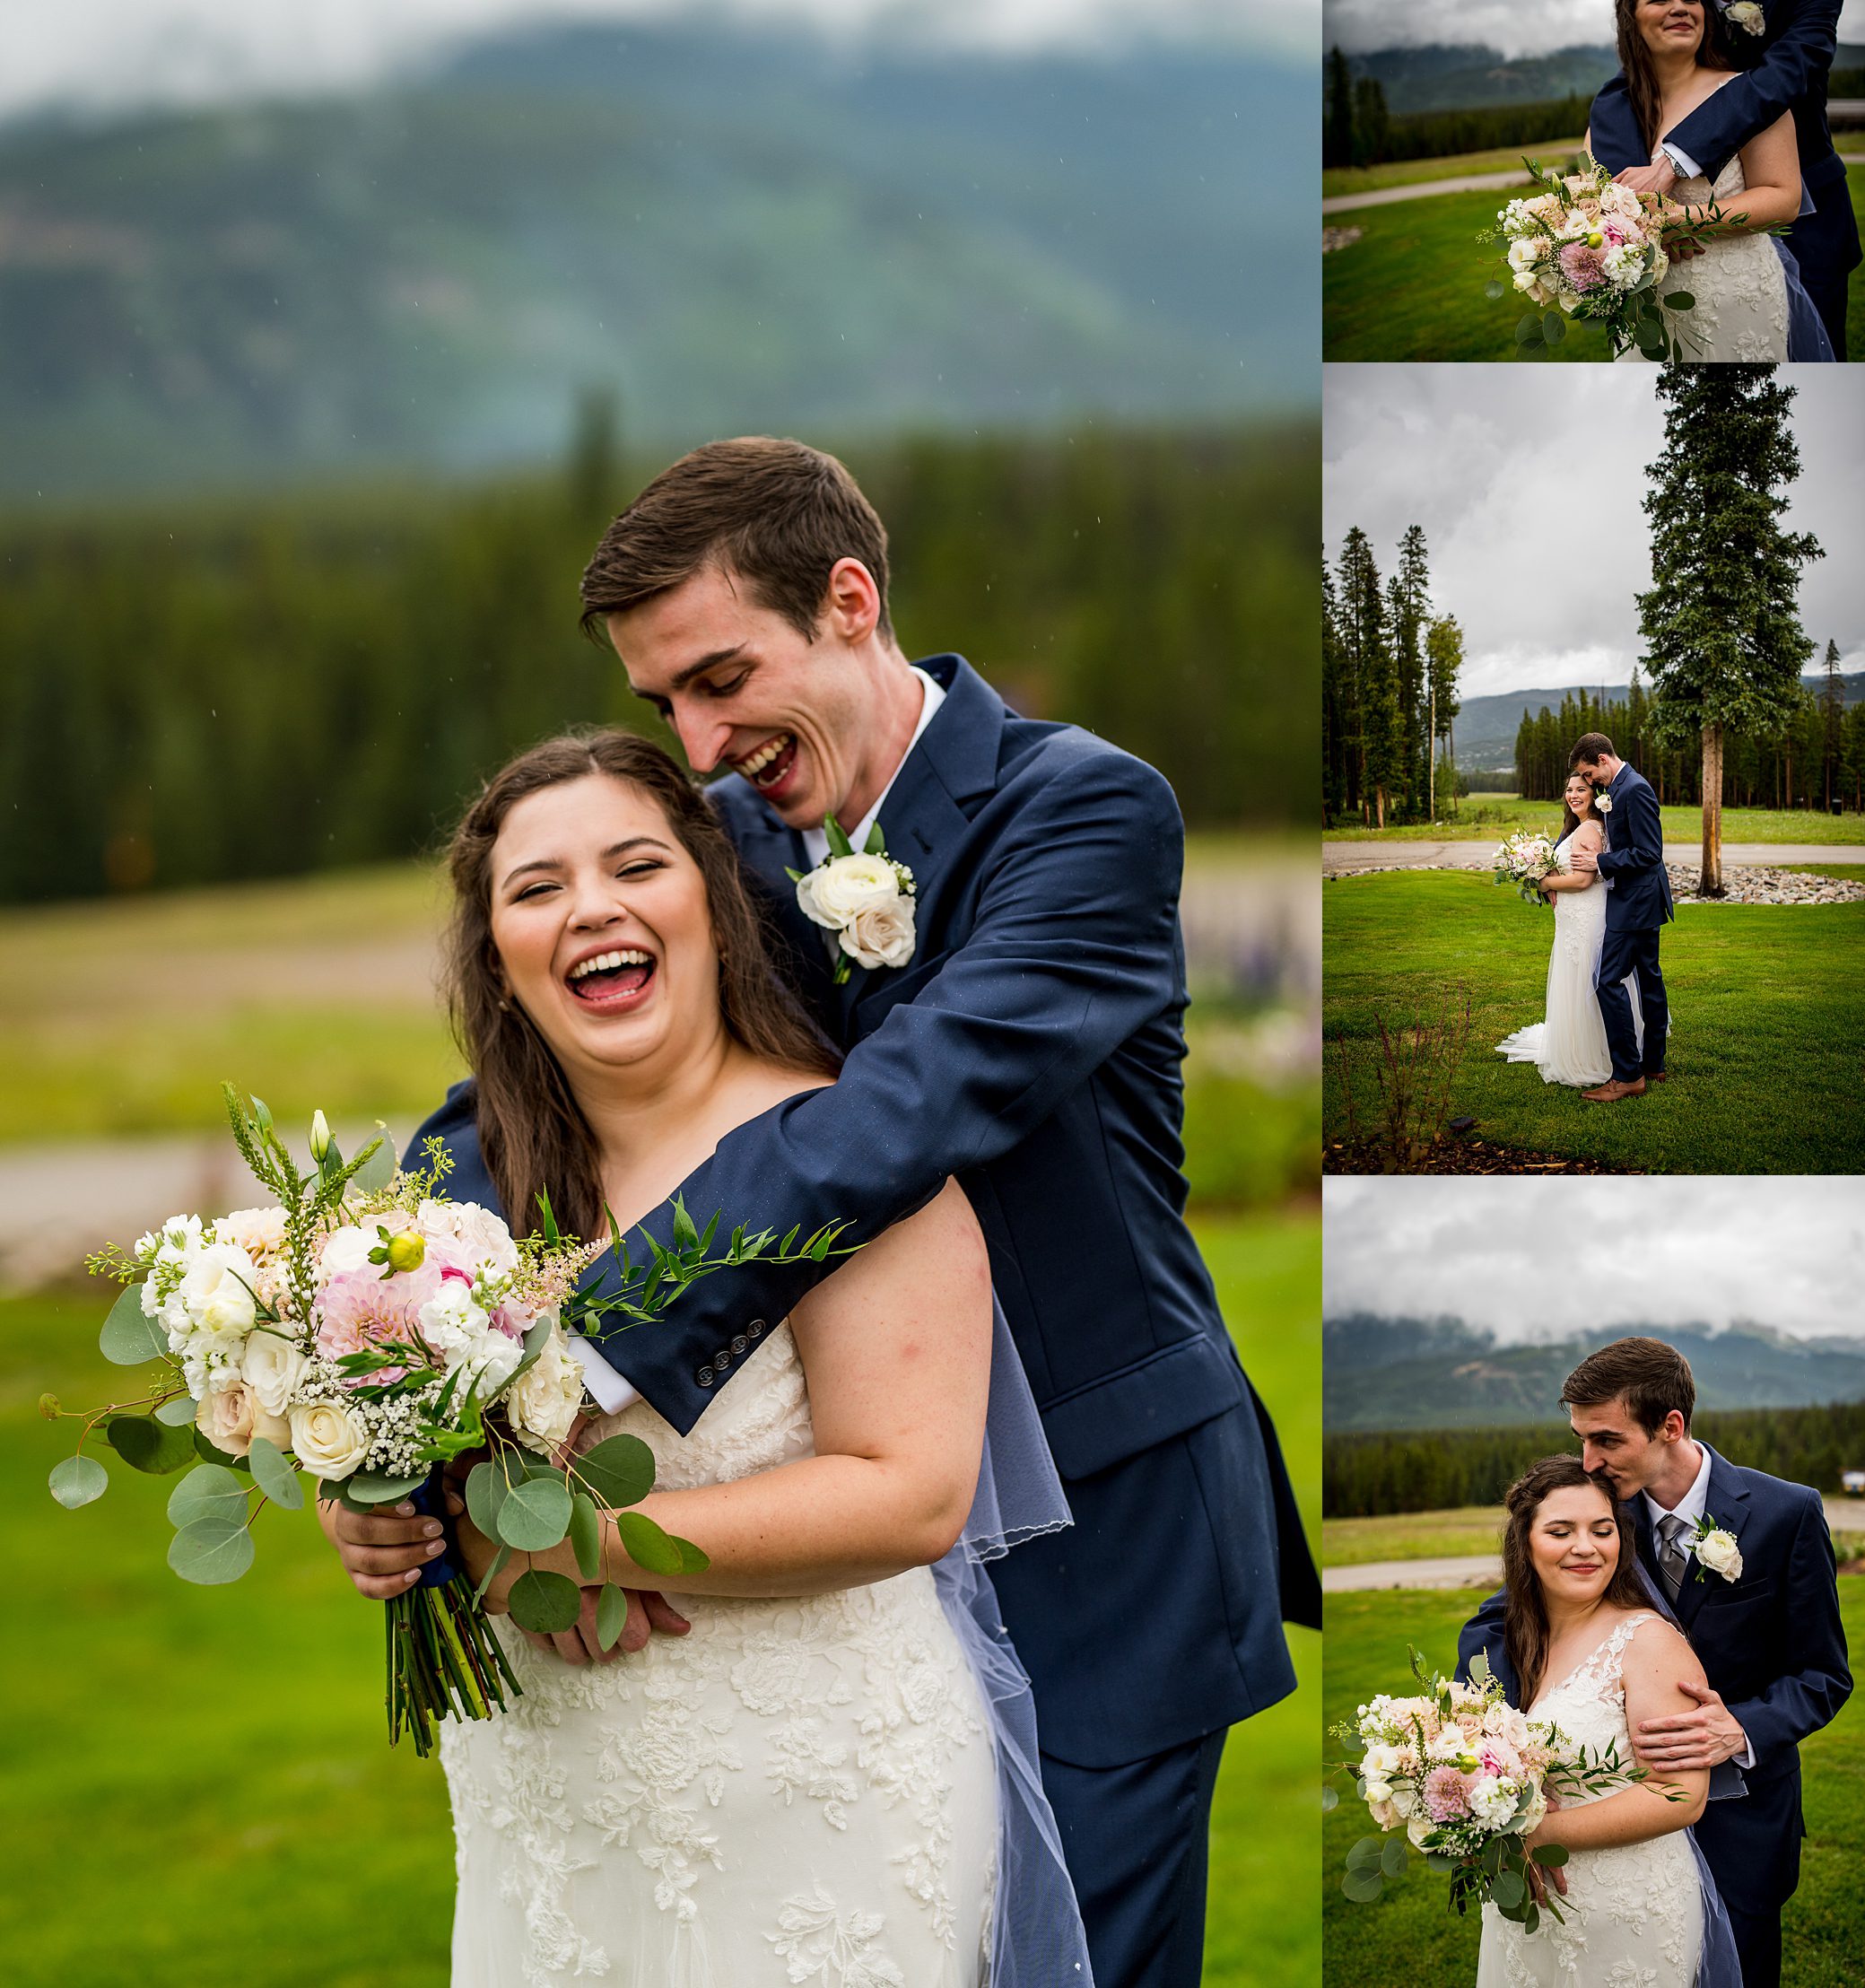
<point>1726,1507</point>
<point>771,850</point>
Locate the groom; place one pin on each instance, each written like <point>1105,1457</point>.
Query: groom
<point>1638,903</point>
<point>1031,1046</point>
<point>1794,42</point>
<point>1768,1632</point>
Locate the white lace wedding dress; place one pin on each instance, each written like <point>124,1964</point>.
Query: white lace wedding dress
<point>797,1791</point>
<point>1633,1915</point>
<point>1738,284</point>
<point>1568,1044</point>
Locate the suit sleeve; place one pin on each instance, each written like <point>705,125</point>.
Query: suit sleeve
<point>1639,846</point>
<point>1809,1697</point>
<point>1484,1628</point>
<point>1795,66</point>
<point>1074,946</point>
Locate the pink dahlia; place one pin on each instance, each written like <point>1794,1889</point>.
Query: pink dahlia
<point>1580,265</point>
<point>1447,1794</point>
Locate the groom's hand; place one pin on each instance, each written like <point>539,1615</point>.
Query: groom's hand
<point>1658,178</point>
<point>1585,859</point>
<point>1704,1738</point>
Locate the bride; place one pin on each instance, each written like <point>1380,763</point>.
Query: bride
<point>1568,1045</point>
<point>1674,55</point>
<point>801,1777</point>
<point>1592,1655</point>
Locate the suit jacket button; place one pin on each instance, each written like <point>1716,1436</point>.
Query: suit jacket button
<point>721,1360</point>
<point>704,1377</point>
<point>755,1326</point>
<point>740,1343</point>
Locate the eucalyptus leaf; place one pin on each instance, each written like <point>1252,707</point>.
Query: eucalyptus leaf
<point>274,1476</point>
<point>1362,1887</point>
<point>128,1338</point>
<point>585,1536</point>
<point>146,1444</point>
<point>1330,1800</point>
<point>211,1551</point>
<point>1553,328</point>
<point>78,1480</point>
<point>1366,1850</point>
<point>208,1453</point>
<point>376,1171</point>
<point>611,1615</point>
<point>1527,329</point>
<point>178,1411</point>
<point>492,1573</point>
<point>1531,1918</point>
<point>545,1603</point>
<point>1680,300</point>
<point>659,1552</point>
<point>485,1492</point>
<point>1507,1889</point>
<point>617,1472</point>
<point>1493,289</point>
<point>371,1487</point>
<point>1552,1854</point>
<point>534,1515</point>
<point>208,1491</point>
<point>1392,1858</point>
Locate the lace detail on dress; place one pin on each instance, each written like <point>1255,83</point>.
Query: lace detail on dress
<point>1738,284</point>
<point>1634,1912</point>
<point>833,1739</point>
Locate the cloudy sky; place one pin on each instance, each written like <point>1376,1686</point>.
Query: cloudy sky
<point>1528,480</point>
<point>1532,1258</point>
<point>108,52</point>
<point>1517,31</point>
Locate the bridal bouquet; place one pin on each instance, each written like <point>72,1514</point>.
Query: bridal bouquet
<point>1466,1777</point>
<point>1585,247</point>
<point>1524,859</point>
<point>365,1330</point>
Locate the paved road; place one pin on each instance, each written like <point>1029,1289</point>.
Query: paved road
<point>1337,857</point>
<point>1479,1570</point>
<point>1383,196</point>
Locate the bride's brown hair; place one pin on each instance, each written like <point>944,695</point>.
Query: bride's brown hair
<point>1524,1608</point>
<point>532,1134</point>
<point>1570,821</point>
<point>1716,50</point>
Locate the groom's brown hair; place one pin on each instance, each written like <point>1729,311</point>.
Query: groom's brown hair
<point>1592,747</point>
<point>1650,1377</point>
<point>776,514</point>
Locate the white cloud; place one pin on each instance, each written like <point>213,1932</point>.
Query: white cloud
<point>111,53</point>
<point>1514,30</point>
<point>1529,482</point>
<point>1530,1258</point>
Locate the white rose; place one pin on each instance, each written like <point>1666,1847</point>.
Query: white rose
<point>232,1416</point>
<point>272,1367</point>
<point>881,936</point>
<point>216,1297</point>
<point>543,1404</point>
<point>478,1230</point>
<point>346,1250</point>
<point>1719,1552</point>
<point>1747,16</point>
<point>329,1438</point>
<point>846,885</point>
<point>259,1232</point>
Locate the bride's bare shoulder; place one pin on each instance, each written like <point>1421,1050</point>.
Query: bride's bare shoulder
<point>1658,1649</point>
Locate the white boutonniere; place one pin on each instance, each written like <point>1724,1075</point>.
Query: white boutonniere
<point>863,897</point>
<point>1747,16</point>
<point>1602,804</point>
<point>1716,1549</point>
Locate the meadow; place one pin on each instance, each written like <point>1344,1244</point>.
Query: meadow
<point>1485,817</point>
<point>1411,288</point>
<point>1765,1002</point>
<point>1337,180</point>
<point>205,1770</point>
<point>1465,1528</point>
<point>1409,1939</point>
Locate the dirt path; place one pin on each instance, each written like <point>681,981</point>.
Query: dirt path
<point>1384,196</point>
<point>1341,857</point>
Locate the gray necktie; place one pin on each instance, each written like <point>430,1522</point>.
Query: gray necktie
<point>1672,1559</point>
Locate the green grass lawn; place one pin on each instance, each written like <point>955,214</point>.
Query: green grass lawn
<point>1411,1535</point>
<point>1767,1012</point>
<point>1489,817</point>
<point>197,1786</point>
<point>1409,1939</point>
<point>1413,172</point>
<point>1411,287</point>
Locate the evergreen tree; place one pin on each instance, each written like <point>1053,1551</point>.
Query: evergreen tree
<point>1373,122</point>
<point>1409,598</point>
<point>1368,664</point>
<point>1335,727</point>
<point>1443,659</point>
<point>1338,131</point>
<point>1724,644</point>
<point>1832,702</point>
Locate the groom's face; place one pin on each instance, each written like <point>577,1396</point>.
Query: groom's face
<point>748,692</point>
<point>1612,1440</point>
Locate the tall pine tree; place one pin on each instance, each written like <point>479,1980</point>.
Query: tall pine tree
<point>1831,706</point>
<point>1443,659</point>
<point>1368,658</point>
<point>1722,625</point>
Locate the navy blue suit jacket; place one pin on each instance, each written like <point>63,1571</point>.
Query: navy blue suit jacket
<point>1031,1049</point>
<point>1772,1642</point>
<point>1791,62</point>
<point>1633,860</point>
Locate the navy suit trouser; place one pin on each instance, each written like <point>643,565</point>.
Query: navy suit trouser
<point>1625,951</point>
<point>1137,1839</point>
<point>1758,1945</point>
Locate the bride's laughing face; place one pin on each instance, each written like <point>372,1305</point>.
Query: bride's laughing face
<point>601,924</point>
<point>1580,794</point>
<point>1574,1543</point>
<point>1671,27</point>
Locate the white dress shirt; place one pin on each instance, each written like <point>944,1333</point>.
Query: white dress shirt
<point>611,1393</point>
<point>1690,1508</point>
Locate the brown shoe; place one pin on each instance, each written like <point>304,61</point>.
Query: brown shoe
<point>1656,1077</point>
<point>1612,1091</point>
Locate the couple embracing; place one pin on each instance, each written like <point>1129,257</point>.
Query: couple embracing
<point>1001,1539</point>
<point>1660,1598</point>
<point>1720,107</point>
<point>1607,1019</point>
